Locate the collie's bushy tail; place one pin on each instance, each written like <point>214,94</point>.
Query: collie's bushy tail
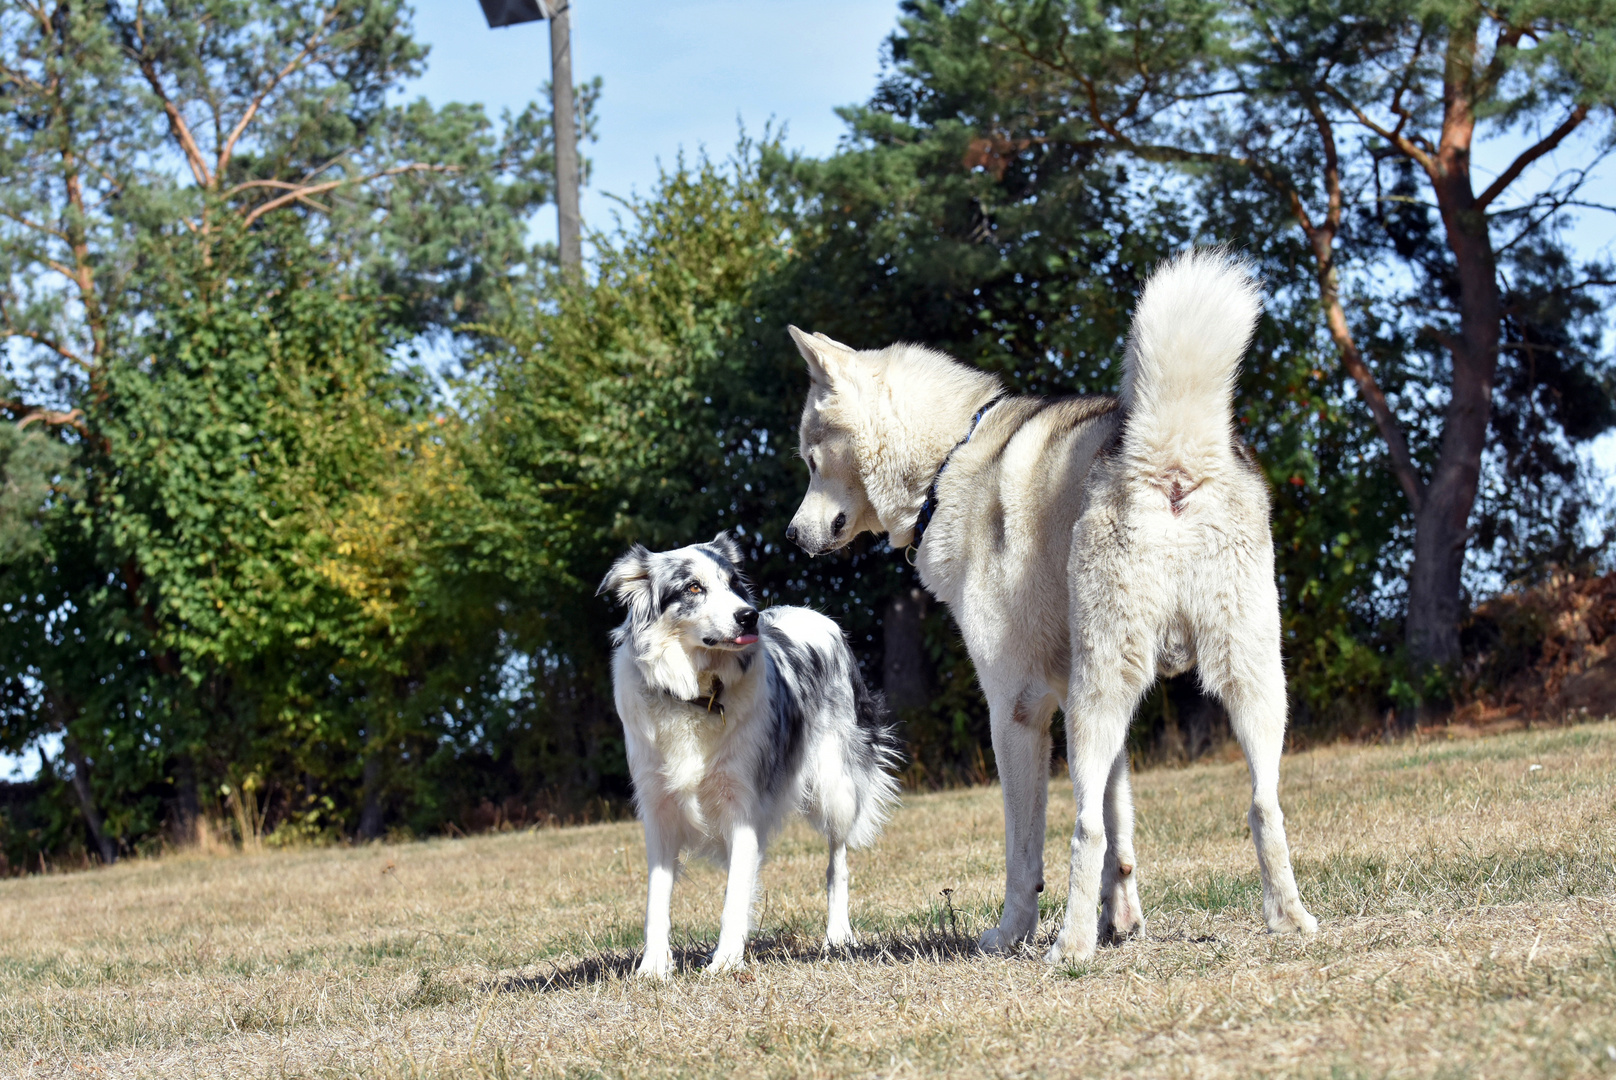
<point>1191,328</point>
<point>880,754</point>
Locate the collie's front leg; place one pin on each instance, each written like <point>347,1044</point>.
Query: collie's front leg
<point>738,894</point>
<point>662,860</point>
<point>838,928</point>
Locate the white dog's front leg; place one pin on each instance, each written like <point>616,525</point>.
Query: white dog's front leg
<point>1021,749</point>
<point>838,929</point>
<point>738,893</point>
<point>662,860</point>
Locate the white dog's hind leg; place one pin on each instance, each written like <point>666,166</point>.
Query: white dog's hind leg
<point>1021,749</point>
<point>1121,915</point>
<point>838,930</point>
<point>662,860</point>
<point>738,894</point>
<point>1096,725</point>
<point>1250,678</point>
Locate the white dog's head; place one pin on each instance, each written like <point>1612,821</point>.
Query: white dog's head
<point>688,610</point>
<point>837,507</point>
<point>874,430</point>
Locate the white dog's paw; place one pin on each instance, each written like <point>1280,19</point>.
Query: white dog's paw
<point>839,936</point>
<point>1000,941</point>
<point>1122,920</point>
<point>1292,918</point>
<point>1069,948</point>
<point>726,959</point>
<point>655,967</point>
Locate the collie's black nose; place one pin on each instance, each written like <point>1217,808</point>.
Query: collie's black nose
<point>746,619</point>
<point>791,533</point>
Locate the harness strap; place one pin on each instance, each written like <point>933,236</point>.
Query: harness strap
<point>929,507</point>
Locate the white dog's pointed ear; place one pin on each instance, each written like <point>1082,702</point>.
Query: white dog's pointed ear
<point>825,357</point>
<point>629,578</point>
<point>729,547</point>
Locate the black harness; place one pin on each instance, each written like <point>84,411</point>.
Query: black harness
<point>929,507</point>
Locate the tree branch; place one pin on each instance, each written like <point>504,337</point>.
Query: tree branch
<point>50,343</point>
<point>176,121</point>
<point>51,418</point>
<point>1403,143</point>
<point>1518,166</point>
<point>302,194</point>
<point>292,65</point>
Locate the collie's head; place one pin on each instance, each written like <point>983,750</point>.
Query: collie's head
<point>689,610</point>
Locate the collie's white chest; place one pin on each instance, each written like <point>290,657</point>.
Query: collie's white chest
<point>699,765</point>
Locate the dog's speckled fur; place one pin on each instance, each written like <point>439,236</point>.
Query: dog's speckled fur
<point>732,718</point>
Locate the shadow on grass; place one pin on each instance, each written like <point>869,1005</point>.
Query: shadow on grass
<point>900,947</point>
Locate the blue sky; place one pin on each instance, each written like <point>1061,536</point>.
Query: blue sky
<point>676,75</point>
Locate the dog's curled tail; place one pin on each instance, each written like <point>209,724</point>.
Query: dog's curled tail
<point>882,755</point>
<point>1191,328</point>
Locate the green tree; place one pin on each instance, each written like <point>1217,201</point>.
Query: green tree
<point>1328,106</point>
<point>218,237</point>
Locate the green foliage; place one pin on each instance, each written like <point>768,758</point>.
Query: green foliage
<point>257,563</point>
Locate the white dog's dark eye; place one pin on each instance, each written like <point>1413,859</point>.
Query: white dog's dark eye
<point>813,466</point>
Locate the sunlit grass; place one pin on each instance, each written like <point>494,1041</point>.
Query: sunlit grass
<point>1467,901</point>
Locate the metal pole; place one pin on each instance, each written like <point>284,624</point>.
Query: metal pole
<point>566,137</point>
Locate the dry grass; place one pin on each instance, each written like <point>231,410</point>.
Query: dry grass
<point>1468,904</point>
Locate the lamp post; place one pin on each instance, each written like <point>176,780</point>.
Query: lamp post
<point>509,13</point>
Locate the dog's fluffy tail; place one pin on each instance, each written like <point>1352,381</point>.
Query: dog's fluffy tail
<point>879,755</point>
<point>1192,326</point>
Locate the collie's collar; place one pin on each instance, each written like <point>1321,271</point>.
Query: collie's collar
<point>929,507</point>
<point>714,699</point>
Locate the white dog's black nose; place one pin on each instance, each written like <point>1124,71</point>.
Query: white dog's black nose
<point>791,533</point>
<point>746,619</point>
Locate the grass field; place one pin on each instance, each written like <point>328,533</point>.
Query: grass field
<point>1466,892</point>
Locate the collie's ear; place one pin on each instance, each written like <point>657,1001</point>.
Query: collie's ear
<point>629,579</point>
<point>827,359</point>
<point>728,547</point>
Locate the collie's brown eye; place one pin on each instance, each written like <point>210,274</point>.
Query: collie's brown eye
<point>695,589</point>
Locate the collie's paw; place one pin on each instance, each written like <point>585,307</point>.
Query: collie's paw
<point>840,937</point>
<point>655,967</point>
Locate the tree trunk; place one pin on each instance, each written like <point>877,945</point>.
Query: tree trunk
<point>905,674</point>
<point>81,785</point>
<point>185,809</point>
<point>1441,527</point>
<point>370,814</point>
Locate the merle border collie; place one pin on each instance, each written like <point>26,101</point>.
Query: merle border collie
<point>733,718</point>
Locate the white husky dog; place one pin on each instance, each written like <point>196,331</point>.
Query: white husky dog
<point>1085,545</point>
<point>732,719</point>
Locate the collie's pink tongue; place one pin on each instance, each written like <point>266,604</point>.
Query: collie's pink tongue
<point>746,639</point>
